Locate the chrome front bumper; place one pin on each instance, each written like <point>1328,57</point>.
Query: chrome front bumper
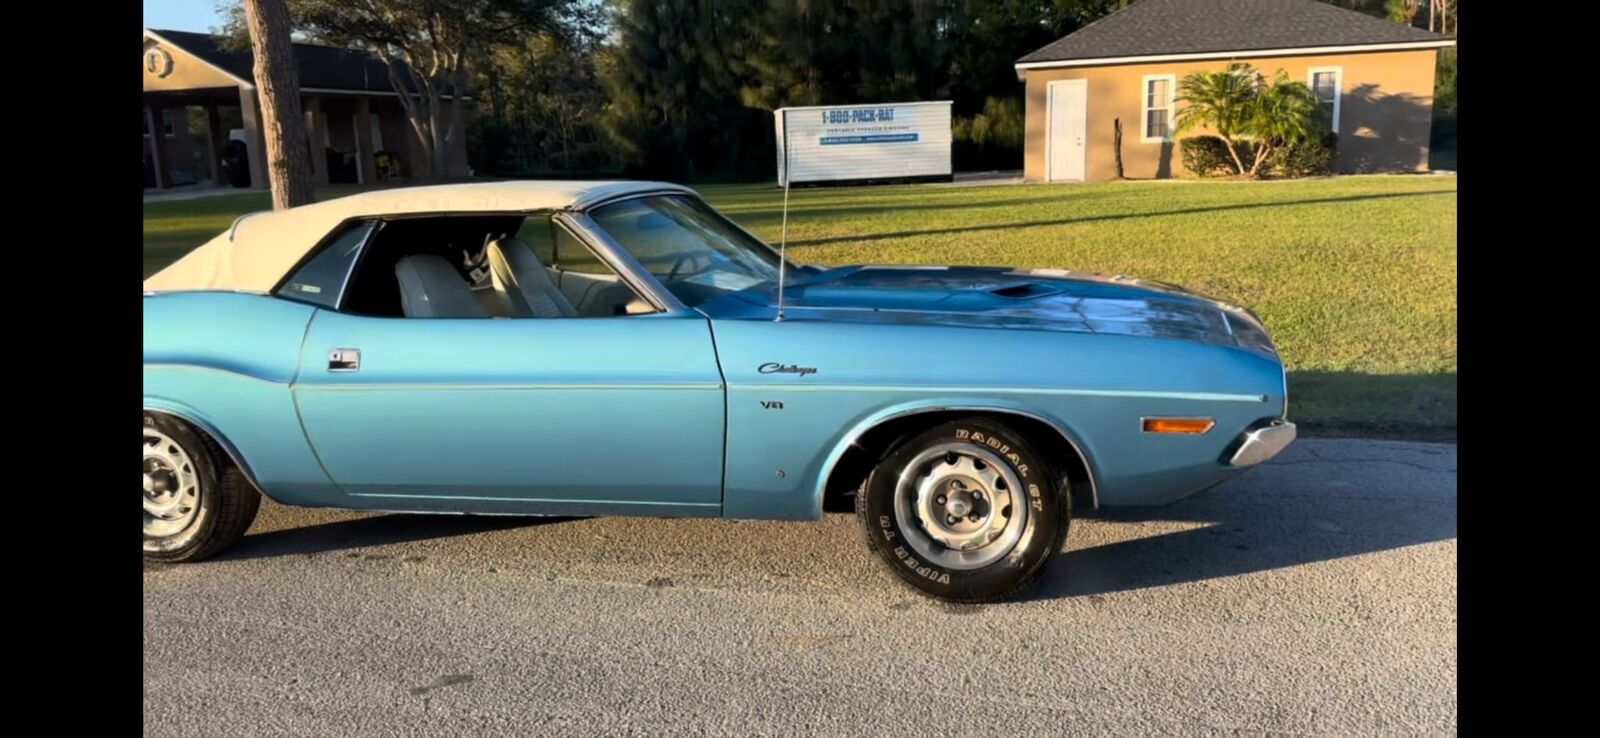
<point>1263,443</point>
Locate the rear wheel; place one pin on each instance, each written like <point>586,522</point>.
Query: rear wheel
<point>966,512</point>
<point>196,501</point>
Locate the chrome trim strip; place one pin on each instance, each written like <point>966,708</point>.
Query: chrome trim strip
<point>417,387</point>
<point>1088,464</point>
<point>670,189</point>
<point>1284,372</point>
<point>1264,443</point>
<point>227,446</point>
<point>301,385</point>
<point>392,496</point>
<point>801,386</point>
<point>233,229</point>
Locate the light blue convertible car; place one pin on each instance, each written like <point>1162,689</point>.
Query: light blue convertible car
<point>619,348</point>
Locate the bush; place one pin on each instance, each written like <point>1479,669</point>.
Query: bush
<point>1207,156</point>
<point>1312,157</point>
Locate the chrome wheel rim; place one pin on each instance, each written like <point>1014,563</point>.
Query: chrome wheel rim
<point>960,506</point>
<point>171,486</point>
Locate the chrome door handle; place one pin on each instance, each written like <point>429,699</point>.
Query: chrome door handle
<point>344,360</point>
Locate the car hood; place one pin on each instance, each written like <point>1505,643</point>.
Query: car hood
<point>1001,297</point>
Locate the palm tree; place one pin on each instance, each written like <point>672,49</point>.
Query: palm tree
<point>1286,112</point>
<point>1221,101</point>
<point>1237,104</point>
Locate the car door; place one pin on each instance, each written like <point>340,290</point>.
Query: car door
<point>606,414</point>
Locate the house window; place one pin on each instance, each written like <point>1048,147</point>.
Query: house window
<point>1326,83</point>
<point>1157,122</point>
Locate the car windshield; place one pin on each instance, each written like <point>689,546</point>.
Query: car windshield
<point>695,252</point>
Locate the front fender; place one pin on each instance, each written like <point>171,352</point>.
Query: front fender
<point>975,404</point>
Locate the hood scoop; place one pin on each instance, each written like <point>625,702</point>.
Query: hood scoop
<point>1024,290</point>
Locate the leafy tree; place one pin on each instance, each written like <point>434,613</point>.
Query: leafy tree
<point>984,39</point>
<point>1401,11</point>
<point>672,92</point>
<point>544,99</point>
<point>797,52</point>
<point>428,44</point>
<point>1444,83</point>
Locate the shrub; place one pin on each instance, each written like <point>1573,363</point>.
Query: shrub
<point>1312,157</point>
<point>1207,156</point>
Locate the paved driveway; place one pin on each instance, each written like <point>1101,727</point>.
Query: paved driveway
<point>1313,595</point>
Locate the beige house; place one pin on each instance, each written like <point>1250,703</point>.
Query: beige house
<point>1374,76</point>
<point>359,132</point>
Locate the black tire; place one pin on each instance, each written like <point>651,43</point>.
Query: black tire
<point>227,501</point>
<point>1042,532</point>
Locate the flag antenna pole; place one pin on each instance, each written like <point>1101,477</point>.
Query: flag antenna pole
<point>783,238</point>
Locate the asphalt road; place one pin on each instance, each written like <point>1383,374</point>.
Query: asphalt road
<point>1315,594</point>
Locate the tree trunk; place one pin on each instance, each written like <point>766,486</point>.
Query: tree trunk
<point>1233,151</point>
<point>458,126</point>
<point>1264,151</point>
<point>278,88</point>
<point>416,107</point>
<point>1116,143</point>
<point>441,149</point>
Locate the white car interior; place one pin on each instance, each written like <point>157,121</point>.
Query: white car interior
<point>522,284</point>
<point>431,288</point>
<point>491,266</point>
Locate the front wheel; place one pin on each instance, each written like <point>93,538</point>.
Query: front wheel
<point>196,501</point>
<point>965,512</point>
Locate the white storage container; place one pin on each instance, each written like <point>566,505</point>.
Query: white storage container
<point>859,142</point>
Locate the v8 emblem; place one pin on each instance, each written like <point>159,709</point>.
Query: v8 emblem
<point>771,405</point>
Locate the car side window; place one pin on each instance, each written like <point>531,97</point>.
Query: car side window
<point>558,249</point>
<point>572,256</point>
<point>322,278</point>
<point>489,265</point>
<point>538,231</point>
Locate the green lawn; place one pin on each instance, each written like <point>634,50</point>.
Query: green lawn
<point>1355,276</point>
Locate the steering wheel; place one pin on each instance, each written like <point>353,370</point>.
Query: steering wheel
<point>685,258</point>
<point>678,264</point>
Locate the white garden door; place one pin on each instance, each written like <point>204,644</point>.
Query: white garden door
<point>1068,122</point>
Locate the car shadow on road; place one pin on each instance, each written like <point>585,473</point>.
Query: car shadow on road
<point>376,530</point>
<point>1301,517</point>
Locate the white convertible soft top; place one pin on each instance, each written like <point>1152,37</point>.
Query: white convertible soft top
<point>258,250</point>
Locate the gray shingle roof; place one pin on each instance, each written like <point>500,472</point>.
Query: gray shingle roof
<point>320,67</point>
<point>1157,27</point>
